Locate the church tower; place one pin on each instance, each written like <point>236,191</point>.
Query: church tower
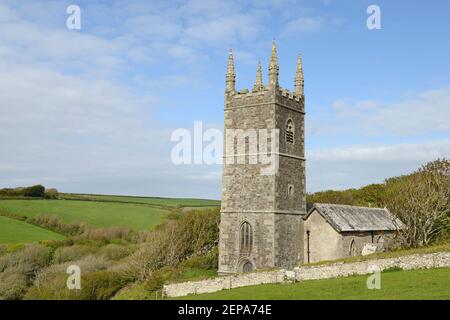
<point>262,211</point>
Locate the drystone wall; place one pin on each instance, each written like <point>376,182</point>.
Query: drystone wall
<point>417,261</point>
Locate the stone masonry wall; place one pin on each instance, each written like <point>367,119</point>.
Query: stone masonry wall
<point>417,261</point>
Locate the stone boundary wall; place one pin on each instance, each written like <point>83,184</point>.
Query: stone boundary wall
<point>416,261</point>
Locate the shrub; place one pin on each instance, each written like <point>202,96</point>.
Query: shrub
<point>13,285</point>
<point>96,285</point>
<point>100,285</point>
<point>51,282</point>
<point>115,251</point>
<point>89,263</point>
<point>51,193</point>
<point>107,234</point>
<point>54,288</point>
<point>157,279</point>
<point>55,223</point>
<point>28,260</point>
<point>209,261</point>
<point>75,252</point>
<point>193,234</point>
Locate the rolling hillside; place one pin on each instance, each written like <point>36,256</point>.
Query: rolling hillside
<point>14,231</point>
<point>98,214</point>
<point>137,213</point>
<point>154,201</point>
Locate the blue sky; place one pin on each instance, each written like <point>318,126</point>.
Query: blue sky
<point>92,110</point>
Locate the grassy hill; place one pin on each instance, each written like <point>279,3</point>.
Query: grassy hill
<point>416,284</point>
<point>137,213</point>
<point>154,201</point>
<point>98,214</point>
<point>14,231</point>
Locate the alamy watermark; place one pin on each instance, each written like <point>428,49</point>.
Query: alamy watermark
<point>242,146</point>
<point>74,279</point>
<point>374,280</point>
<point>73,21</point>
<point>374,20</point>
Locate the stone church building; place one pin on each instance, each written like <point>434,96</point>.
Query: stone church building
<point>334,231</point>
<point>264,218</point>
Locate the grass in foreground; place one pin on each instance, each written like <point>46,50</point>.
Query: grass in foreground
<point>14,231</point>
<point>97,214</point>
<point>398,285</point>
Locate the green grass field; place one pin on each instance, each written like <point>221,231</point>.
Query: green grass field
<point>415,284</point>
<point>14,231</point>
<point>170,202</point>
<point>98,214</point>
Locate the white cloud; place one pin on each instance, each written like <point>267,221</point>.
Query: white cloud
<point>426,112</point>
<point>304,24</point>
<point>88,136</point>
<point>356,166</point>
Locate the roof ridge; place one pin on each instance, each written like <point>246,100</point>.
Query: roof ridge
<point>348,205</point>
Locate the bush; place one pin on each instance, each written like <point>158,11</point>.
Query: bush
<point>96,285</point>
<point>51,282</point>
<point>12,285</point>
<point>54,288</point>
<point>37,191</point>
<point>87,264</point>
<point>209,261</point>
<point>51,193</point>
<point>28,260</point>
<point>157,279</point>
<point>107,234</point>
<point>55,223</point>
<point>193,234</point>
<point>75,252</point>
<point>115,251</point>
<point>100,285</point>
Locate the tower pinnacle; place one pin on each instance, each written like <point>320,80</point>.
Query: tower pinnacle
<point>259,86</point>
<point>231,75</point>
<point>299,79</point>
<point>273,67</point>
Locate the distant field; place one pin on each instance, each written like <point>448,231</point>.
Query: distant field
<point>410,285</point>
<point>14,231</point>
<point>98,214</point>
<point>171,202</point>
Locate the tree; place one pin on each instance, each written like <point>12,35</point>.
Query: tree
<point>370,195</point>
<point>332,196</point>
<point>421,201</point>
<point>37,191</point>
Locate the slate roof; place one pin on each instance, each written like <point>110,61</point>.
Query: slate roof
<point>344,218</point>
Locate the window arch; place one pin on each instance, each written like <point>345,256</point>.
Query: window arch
<point>290,131</point>
<point>246,237</point>
<point>352,251</point>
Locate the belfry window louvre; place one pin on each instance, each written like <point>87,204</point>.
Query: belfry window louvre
<point>290,131</point>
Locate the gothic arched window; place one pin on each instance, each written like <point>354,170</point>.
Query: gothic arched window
<point>246,237</point>
<point>290,130</point>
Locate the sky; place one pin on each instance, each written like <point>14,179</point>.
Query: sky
<point>92,110</point>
